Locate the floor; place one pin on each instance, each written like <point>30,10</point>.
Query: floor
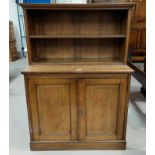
<point>19,133</point>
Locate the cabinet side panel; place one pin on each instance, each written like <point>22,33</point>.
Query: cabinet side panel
<point>123,105</point>
<point>26,80</point>
<point>125,47</point>
<point>28,30</point>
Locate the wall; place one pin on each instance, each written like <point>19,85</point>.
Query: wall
<point>13,16</point>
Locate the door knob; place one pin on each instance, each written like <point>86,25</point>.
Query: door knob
<point>80,113</point>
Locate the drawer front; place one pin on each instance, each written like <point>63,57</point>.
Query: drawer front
<point>52,109</point>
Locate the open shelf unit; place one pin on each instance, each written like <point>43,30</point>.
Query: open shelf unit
<point>80,33</point>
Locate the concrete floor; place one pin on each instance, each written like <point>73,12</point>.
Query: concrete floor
<point>19,133</point>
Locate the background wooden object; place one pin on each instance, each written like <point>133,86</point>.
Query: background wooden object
<point>137,43</point>
<point>13,54</point>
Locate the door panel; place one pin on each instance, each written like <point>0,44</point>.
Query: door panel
<point>99,109</point>
<point>56,109</point>
<point>54,104</point>
<point>103,109</point>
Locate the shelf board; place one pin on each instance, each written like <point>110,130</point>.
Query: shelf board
<point>77,36</point>
<point>89,6</point>
<point>46,69</point>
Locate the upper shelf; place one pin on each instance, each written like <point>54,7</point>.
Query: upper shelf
<point>89,6</point>
<point>78,36</point>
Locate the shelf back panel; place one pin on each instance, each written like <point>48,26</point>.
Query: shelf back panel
<point>90,22</point>
<point>75,49</point>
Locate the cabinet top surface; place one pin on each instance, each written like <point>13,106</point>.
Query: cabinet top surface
<point>120,5</point>
<point>78,69</point>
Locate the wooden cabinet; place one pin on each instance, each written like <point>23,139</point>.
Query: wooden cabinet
<point>66,110</point>
<point>77,84</point>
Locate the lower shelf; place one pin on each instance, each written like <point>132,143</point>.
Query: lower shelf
<point>106,145</point>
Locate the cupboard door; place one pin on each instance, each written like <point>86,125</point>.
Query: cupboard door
<point>102,109</point>
<point>52,106</point>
